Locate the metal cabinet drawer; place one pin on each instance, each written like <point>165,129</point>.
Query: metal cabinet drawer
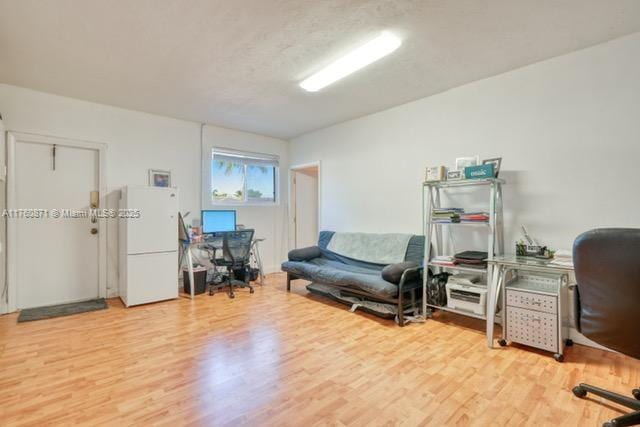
<point>532,328</point>
<point>532,301</point>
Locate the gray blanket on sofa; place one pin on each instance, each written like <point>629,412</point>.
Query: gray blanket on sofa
<point>380,249</point>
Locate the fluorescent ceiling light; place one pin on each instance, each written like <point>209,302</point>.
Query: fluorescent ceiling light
<point>370,52</point>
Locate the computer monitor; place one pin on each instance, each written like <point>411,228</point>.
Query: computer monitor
<point>213,221</point>
<point>183,234</point>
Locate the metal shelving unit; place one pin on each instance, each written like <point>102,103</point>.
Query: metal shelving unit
<point>458,268</point>
<point>434,230</point>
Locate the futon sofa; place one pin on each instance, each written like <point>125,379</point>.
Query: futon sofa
<point>374,268</point>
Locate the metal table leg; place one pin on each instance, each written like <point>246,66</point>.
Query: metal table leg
<point>492,303</point>
<point>258,259</point>
<point>192,283</point>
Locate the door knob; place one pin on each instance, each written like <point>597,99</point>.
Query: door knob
<point>94,231</point>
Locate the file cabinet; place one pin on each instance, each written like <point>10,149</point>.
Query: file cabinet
<point>533,312</point>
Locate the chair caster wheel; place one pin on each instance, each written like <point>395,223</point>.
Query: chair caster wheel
<point>558,357</point>
<point>636,393</point>
<point>502,343</point>
<point>579,392</point>
<point>568,342</point>
<point>251,291</point>
<point>232,296</point>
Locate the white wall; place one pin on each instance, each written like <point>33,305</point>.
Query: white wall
<point>568,130</point>
<point>136,142</point>
<point>269,221</point>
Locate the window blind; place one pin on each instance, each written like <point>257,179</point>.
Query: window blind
<point>244,158</point>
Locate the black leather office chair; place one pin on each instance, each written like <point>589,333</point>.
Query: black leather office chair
<point>607,267</point>
<point>236,252</point>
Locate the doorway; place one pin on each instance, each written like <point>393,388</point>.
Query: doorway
<point>54,239</point>
<point>305,202</point>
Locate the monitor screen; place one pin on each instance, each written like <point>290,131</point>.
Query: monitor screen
<point>213,221</point>
<point>183,234</point>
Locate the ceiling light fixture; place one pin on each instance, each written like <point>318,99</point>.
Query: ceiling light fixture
<point>358,58</point>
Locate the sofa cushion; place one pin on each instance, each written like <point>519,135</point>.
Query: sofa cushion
<point>393,272</point>
<point>331,272</point>
<point>304,254</point>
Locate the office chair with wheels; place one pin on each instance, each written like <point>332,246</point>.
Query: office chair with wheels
<point>236,252</point>
<point>607,268</point>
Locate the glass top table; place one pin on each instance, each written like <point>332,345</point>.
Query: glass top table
<point>537,264</point>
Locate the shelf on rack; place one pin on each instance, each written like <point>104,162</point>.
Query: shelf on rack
<point>464,182</point>
<point>481,223</point>
<point>463,313</point>
<point>459,268</point>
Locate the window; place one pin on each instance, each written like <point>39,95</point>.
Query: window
<point>238,177</point>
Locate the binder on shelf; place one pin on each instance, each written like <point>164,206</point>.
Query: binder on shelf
<point>479,171</point>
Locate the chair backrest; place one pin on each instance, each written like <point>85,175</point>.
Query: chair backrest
<point>607,268</point>
<point>236,246</point>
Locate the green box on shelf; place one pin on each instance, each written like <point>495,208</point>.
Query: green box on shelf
<point>479,172</point>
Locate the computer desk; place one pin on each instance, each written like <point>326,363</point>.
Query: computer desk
<point>188,247</point>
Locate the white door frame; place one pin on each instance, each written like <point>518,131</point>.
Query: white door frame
<point>292,225</point>
<point>12,233</point>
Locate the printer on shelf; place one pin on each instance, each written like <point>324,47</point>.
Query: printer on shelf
<point>464,292</point>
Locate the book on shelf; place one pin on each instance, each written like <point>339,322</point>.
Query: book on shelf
<point>474,217</point>
<point>446,215</point>
<point>563,258</point>
<point>472,259</point>
<point>444,260</point>
<point>459,210</point>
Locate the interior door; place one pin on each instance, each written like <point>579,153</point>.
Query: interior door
<point>306,207</point>
<point>56,258</point>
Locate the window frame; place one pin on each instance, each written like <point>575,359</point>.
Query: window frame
<point>245,158</point>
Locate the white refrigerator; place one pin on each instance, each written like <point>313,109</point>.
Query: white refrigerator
<point>148,244</point>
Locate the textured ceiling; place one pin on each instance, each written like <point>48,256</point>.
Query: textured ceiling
<point>238,63</point>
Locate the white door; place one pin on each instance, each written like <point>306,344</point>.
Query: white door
<point>56,259</point>
<point>306,206</point>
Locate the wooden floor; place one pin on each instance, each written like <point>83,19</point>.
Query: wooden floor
<point>274,358</point>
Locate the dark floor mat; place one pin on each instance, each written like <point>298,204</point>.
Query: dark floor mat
<point>60,310</point>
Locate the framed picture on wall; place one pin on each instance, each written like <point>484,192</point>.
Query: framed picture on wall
<point>159,178</point>
<point>463,162</point>
<point>496,164</point>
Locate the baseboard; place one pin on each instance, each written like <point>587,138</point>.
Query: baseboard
<point>272,269</point>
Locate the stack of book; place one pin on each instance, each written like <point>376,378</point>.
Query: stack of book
<point>444,260</point>
<point>563,258</point>
<point>474,217</point>
<point>471,259</point>
<point>446,215</point>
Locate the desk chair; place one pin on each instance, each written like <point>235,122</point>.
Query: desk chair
<point>236,252</point>
<point>607,267</point>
